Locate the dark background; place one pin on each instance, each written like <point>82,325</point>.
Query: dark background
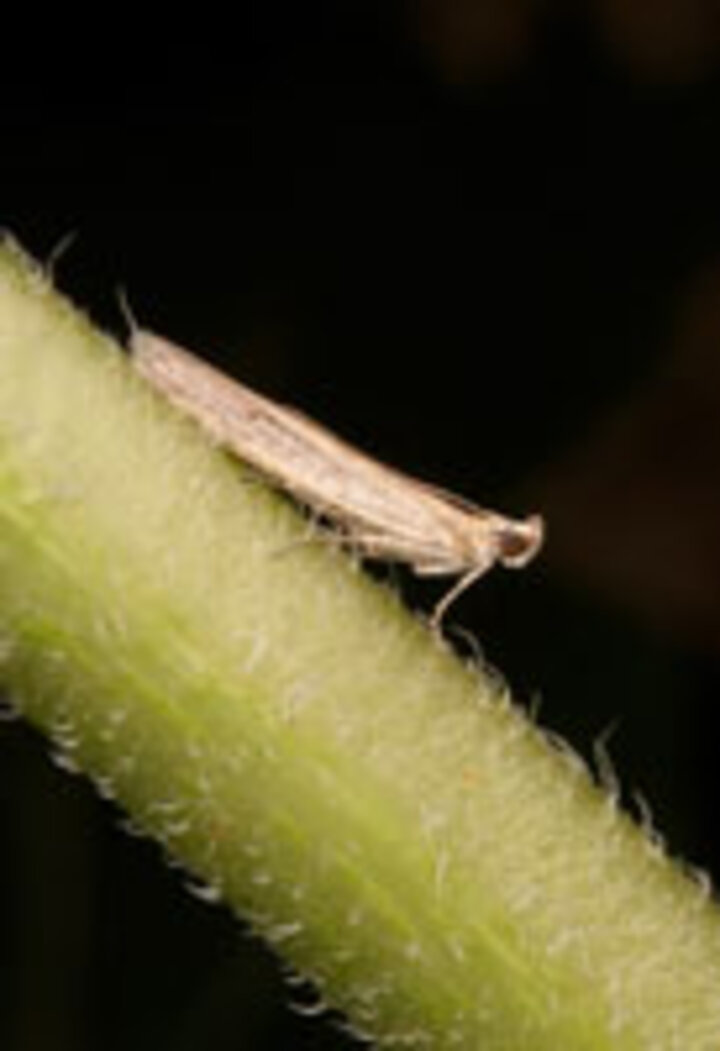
<point>479,239</point>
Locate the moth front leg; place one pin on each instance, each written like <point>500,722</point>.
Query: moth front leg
<point>452,594</point>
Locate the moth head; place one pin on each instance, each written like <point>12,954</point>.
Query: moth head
<point>518,541</point>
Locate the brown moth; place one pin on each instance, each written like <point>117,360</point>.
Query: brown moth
<point>379,511</point>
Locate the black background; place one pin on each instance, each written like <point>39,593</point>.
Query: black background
<point>463,245</point>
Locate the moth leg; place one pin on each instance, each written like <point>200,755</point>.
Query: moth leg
<point>434,569</point>
<point>466,581</point>
<point>316,532</point>
<point>372,545</point>
<point>368,545</point>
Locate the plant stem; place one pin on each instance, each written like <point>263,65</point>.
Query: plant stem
<point>381,812</point>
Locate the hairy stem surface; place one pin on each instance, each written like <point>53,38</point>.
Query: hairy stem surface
<point>381,812</point>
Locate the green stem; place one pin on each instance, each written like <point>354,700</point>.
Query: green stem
<point>379,811</point>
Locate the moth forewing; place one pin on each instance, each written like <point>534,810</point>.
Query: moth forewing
<point>378,510</point>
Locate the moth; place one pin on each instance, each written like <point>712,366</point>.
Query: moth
<point>377,510</point>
